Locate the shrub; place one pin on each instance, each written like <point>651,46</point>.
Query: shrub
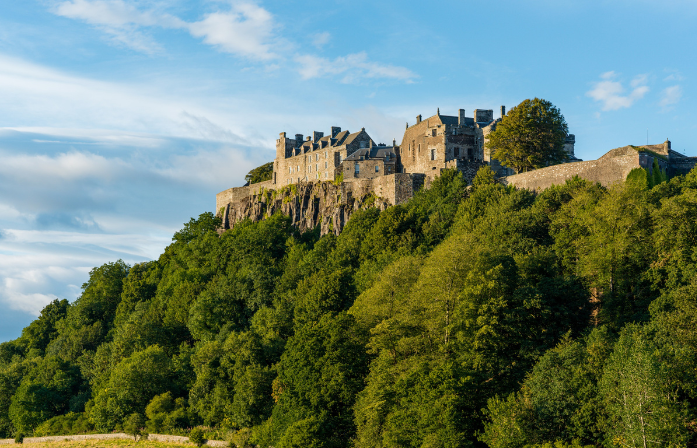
<point>196,436</point>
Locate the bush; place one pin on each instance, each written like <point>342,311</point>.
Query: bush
<point>19,438</point>
<point>134,424</point>
<point>196,436</point>
<point>63,425</point>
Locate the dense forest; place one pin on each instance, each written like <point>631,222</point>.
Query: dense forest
<point>468,316</point>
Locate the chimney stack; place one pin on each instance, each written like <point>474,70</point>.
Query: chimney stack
<point>335,131</point>
<point>461,117</point>
<point>418,119</point>
<point>298,140</point>
<point>503,111</point>
<point>316,136</point>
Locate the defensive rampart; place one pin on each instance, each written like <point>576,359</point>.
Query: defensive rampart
<point>115,436</point>
<point>610,168</point>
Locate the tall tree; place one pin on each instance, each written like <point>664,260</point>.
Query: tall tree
<point>530,136</point>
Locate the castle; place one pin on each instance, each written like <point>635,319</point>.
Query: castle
<point>358,167</point>
<point>428,146</point>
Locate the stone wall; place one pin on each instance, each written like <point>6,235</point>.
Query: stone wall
<point>238,193</point>
<point>611,168</point>
<point>114,436</point>
<point>309,204</point>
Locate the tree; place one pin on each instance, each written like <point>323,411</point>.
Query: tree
<point>197,437</point>
<point>134,424</point>
<point>260,174</point>
<point>530,136</point>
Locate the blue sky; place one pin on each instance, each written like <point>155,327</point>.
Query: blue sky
<point>121,119</point>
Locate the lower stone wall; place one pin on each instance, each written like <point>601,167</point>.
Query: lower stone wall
<point>607,170</point>
<point>238,193</point>
<point>114,436</point>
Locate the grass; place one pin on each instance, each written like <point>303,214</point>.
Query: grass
<point>94,443</point>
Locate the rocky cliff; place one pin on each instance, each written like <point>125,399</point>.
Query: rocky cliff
<point>308,205</point>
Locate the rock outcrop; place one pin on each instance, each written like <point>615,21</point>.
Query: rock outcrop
<point>308,205</point>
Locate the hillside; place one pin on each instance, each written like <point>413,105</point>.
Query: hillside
<point>480,316</point>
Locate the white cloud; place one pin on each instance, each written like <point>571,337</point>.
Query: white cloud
<point>246,30</point>
<point>670,96</point>
<point>319,40</point>
<point>610,92</point>
<point>120,20</point>
<point>353,67</point>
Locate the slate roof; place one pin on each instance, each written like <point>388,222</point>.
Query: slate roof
<point>376,152</point>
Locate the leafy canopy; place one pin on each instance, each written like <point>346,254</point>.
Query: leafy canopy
<point>531,136</point>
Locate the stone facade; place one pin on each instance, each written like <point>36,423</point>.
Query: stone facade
<point>393,173</point>
<point>611,168</point>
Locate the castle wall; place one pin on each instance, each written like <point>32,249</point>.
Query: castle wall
<point>611,168</point>
<point>238,193</point>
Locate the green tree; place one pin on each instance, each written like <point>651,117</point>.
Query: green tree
<point>197,437</point>
<point>642,404</point>
<point>134,424</point>
<point>260,174</point>
<point>45,391</point>
<point>530,136</point>
<point>43,330</point>
<point>132,385</point>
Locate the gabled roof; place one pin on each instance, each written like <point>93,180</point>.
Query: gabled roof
<point>340,137</point>
<point>376,152</point>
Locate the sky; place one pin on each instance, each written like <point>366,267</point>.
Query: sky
<point>121,119</point>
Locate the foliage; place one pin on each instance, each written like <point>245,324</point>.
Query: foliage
<point>260,174</point>
<point>530,136</point>
<point>469,315</point>
<point>133,425</point>
<point>197,437</point>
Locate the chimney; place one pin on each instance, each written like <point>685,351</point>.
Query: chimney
<point>394,142</point>
<point>298,140</point>
<point>503,111</point>
<point>316,136</point>
<point>461,117</point>
<point>418,119</point>
<point>335,131</point>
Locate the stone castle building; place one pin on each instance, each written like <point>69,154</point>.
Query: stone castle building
<point>360,167</point>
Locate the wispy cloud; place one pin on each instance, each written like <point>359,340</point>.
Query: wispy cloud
<point>611,93</point>
<point>319,40</point>
<point>670,96</point>
<point>246,30</point>
<point>352,67</point>
<point>120,20</point>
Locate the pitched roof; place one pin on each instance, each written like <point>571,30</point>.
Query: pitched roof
<point>376,152</point>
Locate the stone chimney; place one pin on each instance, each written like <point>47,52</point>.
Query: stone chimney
<point>461,117</point>
<point>503,111</point>
<point>316,136</point>
<point>335,131</point>
<point>418,119</point>
<point>298,140</point>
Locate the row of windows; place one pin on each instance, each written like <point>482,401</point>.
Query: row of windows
<point>309,168</point>
<point>309,158</point>
<point>357,167</point>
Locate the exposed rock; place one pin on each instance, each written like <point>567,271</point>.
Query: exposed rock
<point>307,204</point>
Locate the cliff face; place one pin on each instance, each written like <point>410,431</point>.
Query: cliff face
<point>307,204</point>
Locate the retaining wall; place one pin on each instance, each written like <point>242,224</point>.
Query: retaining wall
<point>610,168</point>
<point>118,435</point>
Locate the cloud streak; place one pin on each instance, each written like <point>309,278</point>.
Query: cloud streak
<point>611,93</point>
<point>352,68</point>
<point>246,30</point>
<point>670,96</point>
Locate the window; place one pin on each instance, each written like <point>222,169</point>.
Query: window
<point>377,168</point>
<point>290,170</point>
<point>325,154</point>
<point>433,154</point>
<point>357,168</point>
<point>325,165</point>
<point>316,157</point>
<point>316,166</point>
<point>317,175</point>
<point>434,132</point>
<point>457,152</point>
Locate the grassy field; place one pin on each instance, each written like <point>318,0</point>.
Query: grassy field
<point>119,443</point>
